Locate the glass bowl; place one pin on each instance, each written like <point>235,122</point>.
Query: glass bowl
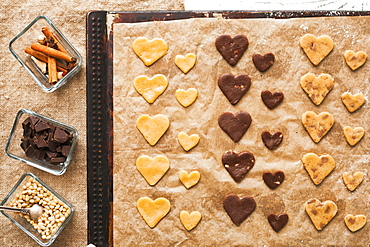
<point>26,226</point>
<point>55,166</point>
<point>30,35</point>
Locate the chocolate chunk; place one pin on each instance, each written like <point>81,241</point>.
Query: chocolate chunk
<point>51,154</point>
<point>234,88</point>
<point>41,126</point>
<point>41,143</point>
<point>39,154</point>
<point>238,164</point>
<point>272,100</point>
<point>60,135</point>
<point>264,62</point>
<point>235,125</point>
<point>53,145</point>
<point>30,151</point>
<point>277,222</point>
<point>272,141</point>
<point>25,143</point>
<point>273,180</point>
<point>232,49</point>
<point>33,120</point>
<point>239,208</point>
<point>66,149</point>
<point>60,159</point>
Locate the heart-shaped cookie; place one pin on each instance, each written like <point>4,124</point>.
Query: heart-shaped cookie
<point>355,60</point>
<point>320,213</point>
<point>353,136</point>
<point>185,63</point>
<point>317,87</point>
<point>186,98</point>
<point>355,223</point>
<point>318,167</point>
<point>238,164</point>
<point>263,62</point>
<point>152,128</point>
<point>235,125</point>
<point>317,126</point>
<point>234,88</point>
<point>189,180</point>
<point>352,181</point>
<point>239,208</point>
<point>232,49</point>
<point>272,100</point>
<point>152,169</point>
<point>278,222</point>
<point>149,51</point>
<point>188,142</point>
<point>353,102</point>
<point>316,49</point>
<point>272,141</point>
<point>153,211</point>
<point>273,180</point>
<point>150,88</point>
<point>191,220</point>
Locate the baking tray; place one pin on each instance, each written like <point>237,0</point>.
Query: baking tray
<point>99,73</point>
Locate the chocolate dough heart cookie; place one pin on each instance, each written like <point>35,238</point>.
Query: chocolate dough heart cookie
<point>272,141</point>
<point>278,222</point>
<point>320,213</point>
<point>239,208</point>
<point>234,88</point>
<point>238,164</point>
<point>272,100</point>
<point>317,126</point>
<point>263,62</point>
<point>232,49</point>
<point>316,49</point>
<point>235,125</point>
<point>273,180</point>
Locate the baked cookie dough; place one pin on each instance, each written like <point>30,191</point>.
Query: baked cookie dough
<point>239,209</point>
<point>355,60</point>
<point>238,164</point>
<point>352,181</point>
<point>318,167</point>
<point>278,222</point>
<point>320,213</point>
<point>353,102</point>
<point>263,62</point>
<point>317,126</point>
<point>316,49</point>
<point>355,223</point>
<point>149,51</point>
<point>353,135</point>
<point>317,87</point>
<point>235,125</point>
<point>232,48</point>
<point>234,87</point>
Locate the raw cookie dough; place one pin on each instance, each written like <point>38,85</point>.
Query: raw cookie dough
<point>263,62</point>
<point>152,169</point>
<point>152,128</point>
<point>317,87</point>
<point>355,223</point>
<point>188,142</point>
<point>149,51</point>
<point>186,98</point>
<point>316,49</point>
<point>353,136</point>
<point>352,181</point>
<point>272,141</point>
<point>150,88</point>
<point>318,167</point>
<point>189,180</point>
<point>273,180</point>
<point>353,102</point>
<point>235,125</point>
<point>317,126</point>
<point>232,49</point>
<point>355,60</point>
<point>234,87</point>
<point>320,213</point>
<point>238,164</point>
<point>191,220</point>
<point>153,211</point>
<point>239,208</point>
<point>185,63</point>
<point>278,222</point>
<point>272,100</point>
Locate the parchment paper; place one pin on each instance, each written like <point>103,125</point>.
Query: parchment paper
<point>280,37</point>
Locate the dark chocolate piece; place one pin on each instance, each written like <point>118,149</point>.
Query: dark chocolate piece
<point>39,154</point>
<point>272,141</point>
<point>232,49</point>
<point>66,149</point>
<point>30,151</point>
<point>33,120</point>
<point>273,180</point>
<point>238,164</point>
<point>41,143</point>
<point>272,100</point>
<point>235,125</point>
<point>60,159</point>
<point>239,208</point>
<point>278,222</point>
<point>60,135</point>
<point>41,126</point>
<point>263,62</point>
<point>234,88</point>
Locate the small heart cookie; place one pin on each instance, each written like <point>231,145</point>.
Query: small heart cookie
<point>152,128</point>
<point>318,167</point>
<point>235,125</point>
<point>188,142</point>
<point>273,180</point>
<point>185,63</point>
<point>232,49</point>
<point>353,102</point>
<point>353,136</point>
<point>320,213</point>
<point>317,87</point>
<point>149,51</point>
<point>238,164</point>
<point>189,180</point>
<point>152,169</point>
<point>277,222</point>
<point>263,62</point>
<point>186,98</point>
<point>150,88</point>
<point>316,49</point>
<point>153,211</point>
<point>355,223</point>
<point>317,126</point>
<point>272,141</point>
<point>270,99</point>
<point>352,181</point>
<point>239,209</point>
<point>355,60</point>
<point>191,220</point>
<point>234,87</point>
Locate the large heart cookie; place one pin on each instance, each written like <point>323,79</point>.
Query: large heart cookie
<point>353,102</point>
<point>272,100</point>
<point>318,167</point>
<point>353,136</point>
<point>263,62</point>
<point>186,98</point>
<point>355,223</point>
<point>317,126</point>
<point>189,180</point>
<point>188,142</point>
<point>273,180</point>
<point>153,211</point>
<point>239,208</point>
<point>352,181</point>
<point>316,49</point>
<point>355,60</point>
<point>320,213</point>
<point>150,88</point>
<point>232,49</point>
<point>191,220</point>
<point>185,63</point>
<point>317,87</point>
<point>152,128</point>
<point>234,88</point>
<point>277,222</point>
<point>235,125</point>
<point>149,51</point>
<point>272,141</point>
<point>152,169</point>
<point>238,164</point>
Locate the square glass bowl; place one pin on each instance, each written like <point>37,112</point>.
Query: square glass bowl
<point>28,36</point>
<point>21,222</point>
<point>13,147</point>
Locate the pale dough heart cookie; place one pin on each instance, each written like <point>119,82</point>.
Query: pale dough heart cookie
<point>316,49</point>
<point>317,87</point>
<point>152,128</point>
<point>188,142</point>
<point>318,167</point>
<point>317,126</point>
<point>320,213</point>
<point>355,60</point>
<point>153,211</point>
<point>189,180</point>
<point>185,63</point>
<point>152,169</point>
<point>355,223</point>
<point>352,182</point>
<point>150,88</point>
<point>190,220</point>
<point>149,51</point>
<point>186,98</point>
<point>353,102</point>
<point>353,136</point>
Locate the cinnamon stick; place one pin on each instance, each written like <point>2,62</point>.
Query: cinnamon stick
<point>53,52</point>
<point>52,39</point>
<point>52,70</point>
<point>42,57</point>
